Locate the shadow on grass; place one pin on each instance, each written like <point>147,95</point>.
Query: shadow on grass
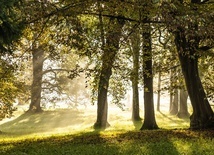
<point>166,121</point>
<point>137,124</point>
<point>171,121</point>
<point>155,142</point>
<point>87,143</point>
<point>45,121</point>
<point>148,142</point>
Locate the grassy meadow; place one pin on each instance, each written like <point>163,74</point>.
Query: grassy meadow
<point>70,132</point>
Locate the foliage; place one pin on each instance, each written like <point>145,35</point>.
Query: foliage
<point>10,88</point>
<point>11,23</point>
<point>195,20</point>
<point>206,68</point>
<point>59,36</point>
<point>69,31</point>
<point>11,26</point>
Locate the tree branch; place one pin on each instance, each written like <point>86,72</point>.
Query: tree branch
<point>59,10</point>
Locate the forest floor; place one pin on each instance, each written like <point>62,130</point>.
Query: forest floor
<point>69,131</point>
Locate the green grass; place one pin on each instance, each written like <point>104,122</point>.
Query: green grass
<point>70,132</point>
<point>158,142</point>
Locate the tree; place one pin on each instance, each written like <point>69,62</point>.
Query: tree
<point>10,87</point>
<point>174,104</point>
<point>183,109</point>
<point>162,57</point>
<point>174,91</point>
<point>36,87</point>
<point>149,116</point>
<point>135,43</point>
<point>11,26</point>
<point>51,34</point>
<point>109,52</point>
<point>149,113</point>
<point>159,89</point>
<point>190,31</point>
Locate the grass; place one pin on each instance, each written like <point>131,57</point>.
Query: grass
<point>70,132</point>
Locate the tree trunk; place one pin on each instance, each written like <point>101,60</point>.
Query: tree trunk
<point>202,116</point>
<point>173,109</point>
<point>171,90</point>
<point>183,110</point>
<point>149,115</point>
<point>135,103</point>
<point>174,106</point>
<point>135,40</point>
<point>110,50</point>
<point>36,87</point>
<point>159,89</point>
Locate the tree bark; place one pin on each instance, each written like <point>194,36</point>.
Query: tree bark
<point>173,109</point>
<point>36,87</point>
<point>159,89</point>
<point>174,106</point>
<point>135,40</point>
<point>135,103</point>
<point>110,50</point>
<point>202,116</point>
<point>183,109</point>
<point>149,115</point>
<point>171,90</point>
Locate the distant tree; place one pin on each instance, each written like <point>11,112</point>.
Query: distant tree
<point>162,57</point>
<point>174,104</point>
<point>49,34</point>
<point>135,48</point>
<point>173,110</point>
<point>159,90</point>
<point>183,109</point>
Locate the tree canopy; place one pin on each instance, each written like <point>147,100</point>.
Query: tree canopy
<point>11,22</point>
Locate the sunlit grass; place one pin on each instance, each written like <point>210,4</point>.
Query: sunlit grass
<point>45,124</point>
<point>158,142</point>
<point>67,131</point>
<point>68,121</point>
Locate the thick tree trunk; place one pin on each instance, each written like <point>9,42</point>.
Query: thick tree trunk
<point>36,87</point>
<point>183,109</point>
<point>149,115</point>
<point>110,50</point>
<point>108,59</point>
<point>202,116</point>
<point>202,113</point>
<point>102,104</point>
<point>135,40</point>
